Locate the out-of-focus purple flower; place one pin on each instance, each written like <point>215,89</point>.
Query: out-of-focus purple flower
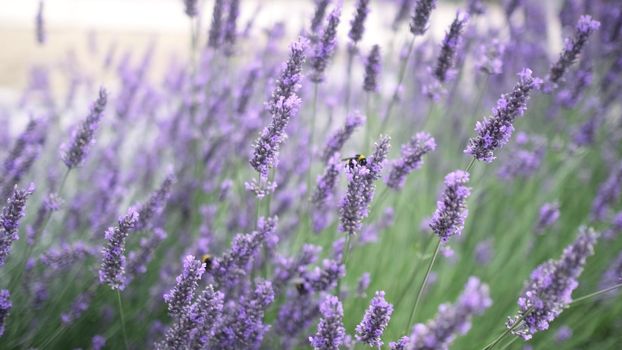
<point>484,252</point>
<point>231,29</point>
<point>330,333</point>
<point>216,28</point>
<point>548,216</point>
<point>204,315</point>
<point>138,260</point>
<point>234,264</point>
<point>326,182</point>
<point>452,320</point>
<point>65,255</point>
<point>325,47</point>
<point>363,284</point>
<point>412,154</point>
<point>495,131</point>
<point>572,47</point>
<point>338,139</point>
<point>563,333</point>
<point>296,314</point>
<point>449,46</point>
<point>421,16</point>
<point>246,91</point>
<point>569,97</point>
<point>286,268</point>
<point>490,57</point>
<point>524,157</point>
<point>608,193</point>
<point>358,22</point>
<point>98,342</point>
<point>5,307</point>
<point>318,15</point>
<point>40,24</point>
<point>451,211</point>
<point>282,105</point>
<point>77,308</point>
<point>613,275</point>
<point>549,289</point>
<point>112,270</point>
<point>75,151</point>
<point>372,69</point>
<point>179,298</point>
<point>190,8</point>
<point>12,212</point>
<point>154,205</point>
<point>370,232</point>
<point>475,7</point>
<point>376,319</point>
<point>615,227</point>
<point>50,204</point>
<point>244,327</point>
<point>400,344</point>
<point>325,278</point>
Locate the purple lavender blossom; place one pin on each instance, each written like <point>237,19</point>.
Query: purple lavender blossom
<point>449,46</point>
<point>246,91</point>
<point>80,304</point>
<point>204,315</point>
<point>548,216</point>
<point>12,212</point>
<point>490,57</point>
<point>318,15</point>
<point>326,182</point>
<point>231,34</point>
<point>451,211</point>
<point>475,7</point>
<point>352,207</point>
<point>296,314</point>
<point>421,16</point>
<point>325,48</point>
<point>376,319</point>
<point>400,344</point>
<point>372,69</point>
<point>5,308</point>
<point>286,268</point>
<point>216,28</point>
<point>66,254</point>
<point>363,284</point>
<point>412,154</point>
<point>190,8</point>
<point>112,270</point>
<point>358,22</point>
<point>234,263</point>
<point>283,105</point>
<point>495,131</point>
<point>324,279</point>
<point>563,333</point>
<point>179,298</point>
<point>452,320</point>
<point>375,164</point>
<point>154,205</point>
<point>572,47</point>
<point>340,137</point>
<point>608,193</point>
<point>612,276</point>
<point>330,331</point>
<point>484,252</point>
<point>98,342</point>
<point>75,152</point>
<point>615,227</point>
<point>137,261</point>
<point>549,289</point>
<point>524,158</point>
<point>370,232</point>
<point>40,24</point>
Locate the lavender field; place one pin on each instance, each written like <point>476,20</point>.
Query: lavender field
<point>315,174</point>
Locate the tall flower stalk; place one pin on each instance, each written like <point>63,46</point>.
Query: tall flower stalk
<point>356,34</point>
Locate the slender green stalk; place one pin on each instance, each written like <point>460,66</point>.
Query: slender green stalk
<point>507,331</point>
<point>423,283</point>
<point>470,165</point>
<point>351,52</point>
<point>400,79</point>
<point>509,343</point>
<point>344,260</point>
<point>122,319</point>
<point>591,295</point>
<point>312,135</point>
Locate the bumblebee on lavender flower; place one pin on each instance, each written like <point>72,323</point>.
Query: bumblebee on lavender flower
<point>358,159</point>
<point>208,261</point>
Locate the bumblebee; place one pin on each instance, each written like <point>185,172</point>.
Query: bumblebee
<point>301,288</point>
<point>357,160</point>
<point>207,260</point>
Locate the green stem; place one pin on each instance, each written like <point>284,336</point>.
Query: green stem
<point>122,319</point>
<point>312,136</point>
<point>400,79</point>
<point>509,343</point>
<point>507,331</point>
<point>591,295</point>
<point>423,283</point>
<point>344,260</point>
<point>470,165</point>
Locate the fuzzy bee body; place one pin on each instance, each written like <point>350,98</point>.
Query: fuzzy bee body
<point>357,160</point>
<point>207,260</point>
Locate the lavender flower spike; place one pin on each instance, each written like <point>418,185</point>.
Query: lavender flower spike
<point>231,26</point>
<point>190,8</point>
<point>412,154</point>
<point>608,192</point>
<point>325,48</point>
<point>283,105</point>
<point>5,307</point>
<point>9,220</point>
<point>421,16</point>
<point>372,69</point>
<point>358,22</point>
<point>352,206</point>
<point>339,138</point>
<point>451,211</point>
<point>449,47</point>
<point>215,31</point>
<point>326,182</point>
<point>74,152</point>
<point>572,47</point>
<point>376,319</point>
<point>40,24</point>
<point>452,320</point>
<point>112,270</point>
<point>495,131</point>
<point>549,289</point>
<point>206,313</point>
<point>318,15</point>
<point>179,298</point>
<point>154,205</point>
<point>330,331</point>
